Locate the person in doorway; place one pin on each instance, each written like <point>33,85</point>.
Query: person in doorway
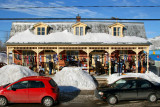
<point>50,67</point>
<point>54,68</point>
<point>98,67</point>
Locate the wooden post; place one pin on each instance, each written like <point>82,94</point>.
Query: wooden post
<point>147,59</point>
<point>137,60</point>
<point>58,58</point>
<point>109,60</point>
<point>88,59</point>
<point>7,55</point>
<point>13,56</point>
<point>37,60</point>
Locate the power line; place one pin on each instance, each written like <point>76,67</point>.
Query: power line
<point>71,7</point>
<point>113,18</point>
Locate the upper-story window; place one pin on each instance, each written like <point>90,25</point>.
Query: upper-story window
<point>79,28</point>
<point>41,29</point>
<point>79,31</point>
<point>117,29</point>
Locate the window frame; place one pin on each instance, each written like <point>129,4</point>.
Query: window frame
<point>41,31</point>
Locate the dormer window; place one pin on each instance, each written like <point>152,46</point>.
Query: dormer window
<point>79,28</point>
<point>79,31</point>
<point>117,29</point>
<point>41,29</point>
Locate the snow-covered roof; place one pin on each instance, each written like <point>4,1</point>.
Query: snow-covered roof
<point>65,37</point>
<point>155,43</point>
<point>130,29</point>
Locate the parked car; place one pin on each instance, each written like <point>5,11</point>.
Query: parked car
<point>130,89</point>
<point>33,89</point>
<point>2,64</point>
<point>151,61</point>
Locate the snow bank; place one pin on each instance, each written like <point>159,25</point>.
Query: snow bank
<point>149,76</point>
<point>12,73</point>
<point>28,37</point>
<point>3,58</point>
<point>74,78</point>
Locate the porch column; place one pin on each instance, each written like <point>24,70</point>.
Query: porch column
<point>37,60</point>
<point>7,56</point>
<point>147,59</point>
<point>58,58</point>
<point>88,59</point>
<point>13,56</point>
<point>109,61</point>
<point>137,60</point>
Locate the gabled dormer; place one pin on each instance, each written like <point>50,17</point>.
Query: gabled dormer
<point>79,28</point>
<point>40,29</point>
<point>117,29</point>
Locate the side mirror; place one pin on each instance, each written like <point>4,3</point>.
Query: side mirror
<point>14,89</point>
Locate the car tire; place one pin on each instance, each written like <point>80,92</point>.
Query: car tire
<point>48,101</point>
<point>3,101</point>
<point>112,100</point>
<point>152,98</point>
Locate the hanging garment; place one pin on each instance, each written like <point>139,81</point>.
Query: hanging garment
<point>40,58</point>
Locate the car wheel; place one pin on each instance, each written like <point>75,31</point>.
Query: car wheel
<point>48,101</point>
<point>152,98</point>
<point>112,100</point>
<point>3,101</point>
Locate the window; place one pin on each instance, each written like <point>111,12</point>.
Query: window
<point>144,84</point>
<point>52,83</point>
<point>36,84</point>
<point>79,31</point>
<point>41,31</point>
<point>20,85</point>
<point>116,31</point>
<point>129,85</point>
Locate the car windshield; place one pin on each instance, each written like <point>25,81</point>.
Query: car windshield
<point>53,83</point>
<point>6,85</point>
<point>118,84</point>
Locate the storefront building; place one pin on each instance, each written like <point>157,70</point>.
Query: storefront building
<point>81,44</point>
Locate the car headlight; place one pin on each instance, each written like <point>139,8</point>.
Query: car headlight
<point>100,93</point>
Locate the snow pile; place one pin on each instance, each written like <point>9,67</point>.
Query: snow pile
<point>67,37</point>
<point>74,78</point>
<point>3,58</point>
<point>12,73</point>
<point>149,76</point>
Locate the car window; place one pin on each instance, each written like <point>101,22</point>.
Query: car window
<point>129,85</point>
<point>36,84</point>
<point>52,83</point>
<point>144,84</point>
<point>119,83</point>
<point>20,85</point>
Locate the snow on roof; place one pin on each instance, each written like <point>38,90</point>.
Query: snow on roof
<point>3,58</point>
<point>67,37</point>
<point>155,43</point>
<point>12,73</point>
<point>149,76</point>
<point>74,78</point>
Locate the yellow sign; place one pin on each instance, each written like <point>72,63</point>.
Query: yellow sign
<point>154,52</point>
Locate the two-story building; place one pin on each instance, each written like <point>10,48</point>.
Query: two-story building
<point>79,44</point>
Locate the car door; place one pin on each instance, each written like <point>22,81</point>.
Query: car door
<point>128,90</point>
<point>36,91</point>
<point>144,89</point>
<point>18,92</point>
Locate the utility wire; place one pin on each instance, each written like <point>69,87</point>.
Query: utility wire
<point>71,7</point>
<point>113,18</point>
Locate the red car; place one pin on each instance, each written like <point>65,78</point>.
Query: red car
<point>33,89</point>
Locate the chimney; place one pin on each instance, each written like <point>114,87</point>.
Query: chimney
<point>78,18</point>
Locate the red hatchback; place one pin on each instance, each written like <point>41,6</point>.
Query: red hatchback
<point>33,89</point>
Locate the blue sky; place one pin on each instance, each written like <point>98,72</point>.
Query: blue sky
<point>152,27</point>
